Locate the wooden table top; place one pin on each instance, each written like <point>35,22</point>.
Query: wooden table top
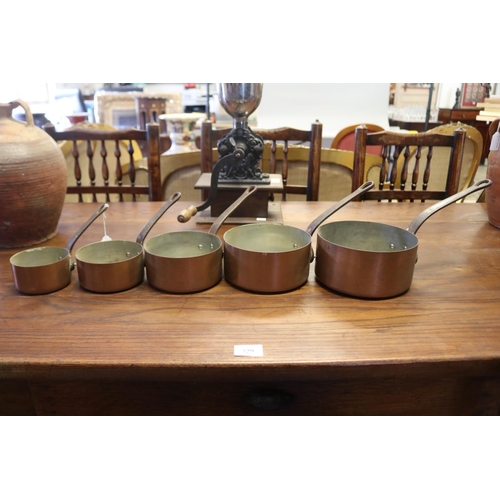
<point>447,323</point>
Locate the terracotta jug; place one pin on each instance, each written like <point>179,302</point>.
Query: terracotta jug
<point>492,195</point>
<point>33,178</point>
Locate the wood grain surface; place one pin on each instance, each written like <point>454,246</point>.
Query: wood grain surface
<point>444,332</point>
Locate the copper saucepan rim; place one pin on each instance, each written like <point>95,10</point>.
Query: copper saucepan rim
<point>171,247</point>
<point>169,244</point>
<point>360,242</point>
<point>36,257</point>
<point>104,248</point>
<point>373,231</point>
<point>233,236</point>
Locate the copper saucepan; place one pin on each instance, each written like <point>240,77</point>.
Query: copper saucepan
<point>188,261</point>
<point>274,258</point>
<point>46,269</point>
<point>370,259</point>
<point>116,265</point>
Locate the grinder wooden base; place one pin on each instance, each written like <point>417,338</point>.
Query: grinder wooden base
<point>256,207</point>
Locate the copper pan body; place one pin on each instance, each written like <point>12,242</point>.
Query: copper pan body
<point>116,265</point>
<point>273,258</point>
<point>41,270</point>
<point>188,261</point>
<point>373,260</point>
<point>365,259</point>
<point>110,266</point>
<point>267,258</point>
<point>183,261</point>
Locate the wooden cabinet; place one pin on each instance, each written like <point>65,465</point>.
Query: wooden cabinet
<point>364,396</point>
<point>463,115</point>
<point>467,116</point>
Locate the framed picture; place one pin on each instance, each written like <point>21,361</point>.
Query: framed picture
<point>472,93</point>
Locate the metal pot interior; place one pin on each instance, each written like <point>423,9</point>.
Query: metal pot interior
<point>368,236</point>
<point>183,244</point>
<point>108,252</point>
<point>37,257</point>
<point>268,238</point>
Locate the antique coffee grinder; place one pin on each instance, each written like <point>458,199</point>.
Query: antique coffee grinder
<point>240,100</point>
<point>240,154</point>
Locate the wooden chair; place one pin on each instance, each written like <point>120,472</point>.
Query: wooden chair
<point>471,158</point>
<point>180,172</point>
<point>290,139</point>
<point>405,174</point>
<point>111,162</point>
<point>345,138</point>
<point>335,171</point>
<point>440,158</point>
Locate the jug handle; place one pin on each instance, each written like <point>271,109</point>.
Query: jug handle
<point>29,115</point>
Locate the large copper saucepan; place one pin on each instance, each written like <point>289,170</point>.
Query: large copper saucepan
<point>116,265</point>
<point>273,258</point>
<point>43,270</point>
<point>188,261</point>
<point>370,259</point>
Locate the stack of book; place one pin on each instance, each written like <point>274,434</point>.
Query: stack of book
<point>491,109</point>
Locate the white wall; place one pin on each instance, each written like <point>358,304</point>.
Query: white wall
<point>335,105</point>
<point>446,94</point>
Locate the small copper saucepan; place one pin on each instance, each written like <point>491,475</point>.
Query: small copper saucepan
<point>370,259</point>
<point>188,261</point>
<point>47,269</point>
<point>116,265</point>
<point>274,258</point>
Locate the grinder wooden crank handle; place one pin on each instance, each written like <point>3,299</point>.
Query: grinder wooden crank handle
<point>189,212</point>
